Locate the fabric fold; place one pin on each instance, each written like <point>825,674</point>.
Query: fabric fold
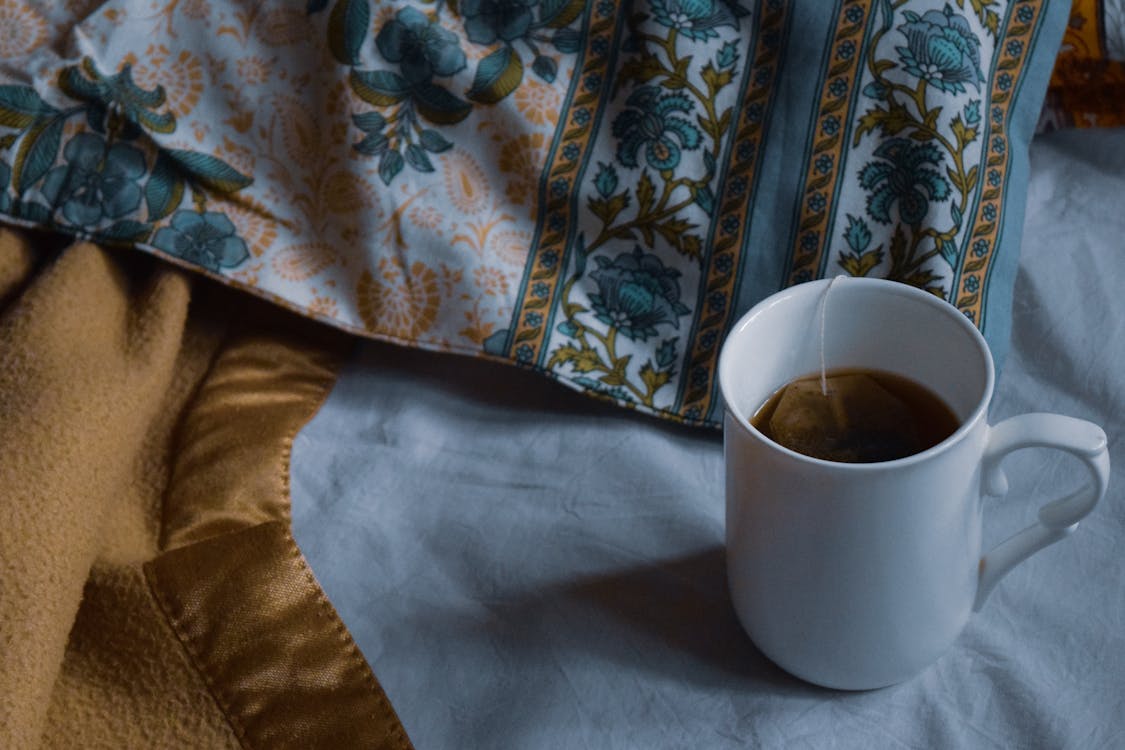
<point>280,664</point>
<point>141,409</point>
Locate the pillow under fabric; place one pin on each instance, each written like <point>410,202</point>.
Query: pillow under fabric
<point>1087,87</point>
<point>594,190</point>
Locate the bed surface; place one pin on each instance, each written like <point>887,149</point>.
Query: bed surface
<point>525,567</point>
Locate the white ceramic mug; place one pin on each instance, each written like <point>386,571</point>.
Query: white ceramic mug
<point>858,576</point>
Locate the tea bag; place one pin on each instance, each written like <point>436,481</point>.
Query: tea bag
<point>855,421</point>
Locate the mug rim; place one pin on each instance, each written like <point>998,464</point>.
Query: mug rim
<point>939,304</point>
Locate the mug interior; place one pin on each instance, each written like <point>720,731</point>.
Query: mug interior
<point>868,323</point>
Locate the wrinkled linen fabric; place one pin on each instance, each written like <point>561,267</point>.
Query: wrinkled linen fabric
<point>530,570</point>
<point>594,190</point>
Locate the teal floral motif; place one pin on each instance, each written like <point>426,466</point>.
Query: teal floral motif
<point>207,239</point>
<point>421,47</point>
<point>410,98</point>
<point>925,154</point>
<point>903,177</point>
<point>636,293</point>
<point>675,114</point>
<point>941,49</point>
<point>489,20</point>
<point>116,94</point>
<point>697,19</point>
<point>100,174</point>
<point>606,180</point>
<point>97,182</point>
<point>652,120</point>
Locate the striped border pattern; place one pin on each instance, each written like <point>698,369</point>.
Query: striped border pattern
<point>970,283</point>
<point>820,184</point>
<point>545,271</point>
<point>732,221</point>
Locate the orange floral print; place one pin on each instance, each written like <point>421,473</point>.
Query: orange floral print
<point>344,192</point>
<point>397,302</point>
<point>323,306</point>
<point>253,70</point>
<point>195,9</point>
<point>510,246</point>
<point>254,224</point>
<point>426,216</point>
<point>181,76</point>
<point>21,29</point>
<point>284,26</point>
<point>491,281</point>
<point>238,156</point>
<point>523,159</point>
<point>303,261</point>
<point>538,102</point>
<point>465,182</point>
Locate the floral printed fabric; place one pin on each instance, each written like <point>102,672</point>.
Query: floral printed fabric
<point>592,189</point>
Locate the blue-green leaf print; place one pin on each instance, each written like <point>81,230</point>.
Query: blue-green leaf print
<point>545,68</point>
<point>438,105</point>
<point>728,55</point>
<point>370,122</point>
<point>858,236</point>
<point>126,231</point>
<point>705,199</point>
<point>606,180</point>
<point>434,142</point>
<point>347,29</point>
<point>165,188</point>
<point>372,145</point>
<point>497,75</point>
<point>381,88</point>
<point>580,255</point>
<point>5,177</point>
<point>566,41</point>
<point>556,14</point>
<point>666,353</point>
<point>210,171</point>
<point>118,93</point>
<point>36,152</point>
<point>417,158</point>
<point>390,165</point>
<point>947,249</point>
<point>36,213</point>
<point>21,105</point>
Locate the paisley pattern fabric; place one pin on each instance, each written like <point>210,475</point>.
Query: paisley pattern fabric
<point>595,190</point>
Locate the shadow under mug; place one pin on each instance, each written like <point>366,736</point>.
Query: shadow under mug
<point>858,576</point>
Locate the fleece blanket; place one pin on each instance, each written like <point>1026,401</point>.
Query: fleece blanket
<point>151,595</point>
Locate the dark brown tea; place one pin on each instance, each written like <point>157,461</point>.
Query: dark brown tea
<point>866,416</point>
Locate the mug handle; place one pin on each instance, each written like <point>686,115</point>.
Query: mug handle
<point>1058,518</point>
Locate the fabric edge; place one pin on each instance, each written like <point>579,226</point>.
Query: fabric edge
<point>289,676</point>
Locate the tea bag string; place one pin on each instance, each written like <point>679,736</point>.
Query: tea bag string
<point>823,320</point>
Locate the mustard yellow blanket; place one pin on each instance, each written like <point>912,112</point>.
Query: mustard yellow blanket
<point>151,595</point>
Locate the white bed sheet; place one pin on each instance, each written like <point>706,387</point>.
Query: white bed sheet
<point>527,568</point>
